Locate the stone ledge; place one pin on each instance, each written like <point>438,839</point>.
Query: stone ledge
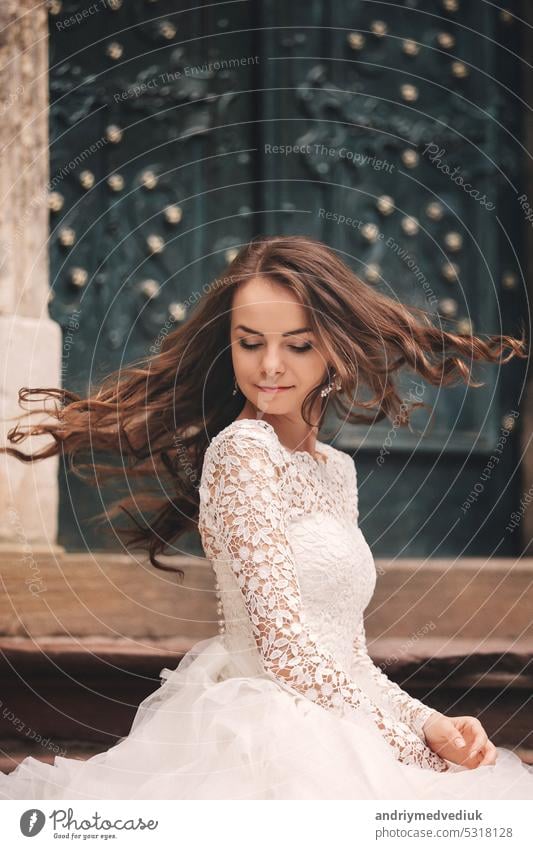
<point>514,656</point>
<point>81,694</point>
<point>109,595</point>
<point>117,596</point>
<point>495,661</point>
<point>83,653</point>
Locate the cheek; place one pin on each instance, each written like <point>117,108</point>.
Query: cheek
<point>312,365</point>
<point>244,362</point>
<point>238,355</point>
<point>234,351</point>
<point>307,371</point>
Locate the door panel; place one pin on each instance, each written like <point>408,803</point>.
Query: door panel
<point>172,143</point>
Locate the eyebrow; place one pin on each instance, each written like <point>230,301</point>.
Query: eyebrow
<point>288,333</point>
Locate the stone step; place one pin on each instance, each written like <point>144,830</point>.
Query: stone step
<point>83,639</point>
<point>13,752</point>
<point>60,692</point>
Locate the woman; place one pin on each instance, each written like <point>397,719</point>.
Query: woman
<point>284,702</point>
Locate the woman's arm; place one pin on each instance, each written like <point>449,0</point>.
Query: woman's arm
<point>373,680</point>
<point>243,520</point>
<point>385,692</point>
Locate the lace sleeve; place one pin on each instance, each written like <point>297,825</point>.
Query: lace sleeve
<point>242,502</point>
<point>386,693</point>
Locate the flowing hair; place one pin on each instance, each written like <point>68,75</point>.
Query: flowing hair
<point>159,414</point>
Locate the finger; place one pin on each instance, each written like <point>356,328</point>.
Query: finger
<point>456,737</point>
<point>461,731</point>
<point>470,763</point>
<point>479,757</point>
<point>478,748</point>
<point>467,722</point>
<point>478,744</point>
<point>470,728</point>
<point>490,755</point>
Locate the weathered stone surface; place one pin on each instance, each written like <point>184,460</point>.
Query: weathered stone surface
<point>105,595</point>
<point>470,598</point>
<point>78,656</point>
<point>30,342</point>
<point>116,595</point>
<point>77,697</point>
<point>30,353</point>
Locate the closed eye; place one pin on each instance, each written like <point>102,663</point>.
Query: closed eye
<point>299,348</point>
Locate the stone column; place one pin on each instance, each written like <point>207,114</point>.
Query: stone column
<point>30,342</point>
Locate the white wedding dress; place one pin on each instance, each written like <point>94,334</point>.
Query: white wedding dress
<point>285,702</point>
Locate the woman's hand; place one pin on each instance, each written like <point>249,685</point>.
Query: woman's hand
<point>460,739</point>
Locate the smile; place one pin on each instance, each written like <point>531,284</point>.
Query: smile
<point>273,389</point>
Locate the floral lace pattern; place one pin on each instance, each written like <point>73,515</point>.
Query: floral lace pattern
<point>383,691</point>
<point>295,575</point>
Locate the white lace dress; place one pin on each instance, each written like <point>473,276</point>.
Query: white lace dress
<point>285,702</point>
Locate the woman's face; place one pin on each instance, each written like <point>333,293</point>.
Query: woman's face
<point>271,347</point>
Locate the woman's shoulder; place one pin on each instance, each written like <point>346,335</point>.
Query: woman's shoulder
<point>246,434</point>
<point>255,427</point>
<point>245,437</point>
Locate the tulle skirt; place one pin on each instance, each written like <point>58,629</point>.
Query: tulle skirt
<point>214,731</point>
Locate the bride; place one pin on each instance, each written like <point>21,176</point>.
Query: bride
<point>284,702</point>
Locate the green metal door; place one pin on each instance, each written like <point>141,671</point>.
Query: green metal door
<point>391,132</point>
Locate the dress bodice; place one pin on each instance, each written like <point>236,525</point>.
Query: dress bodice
<point>295,574</point>
<point>335,567</point>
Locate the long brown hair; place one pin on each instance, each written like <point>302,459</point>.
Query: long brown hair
<point>159,415</point>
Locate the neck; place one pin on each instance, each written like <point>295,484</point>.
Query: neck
<point>293,432</point>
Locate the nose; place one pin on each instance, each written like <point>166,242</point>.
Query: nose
<point>271,363</point>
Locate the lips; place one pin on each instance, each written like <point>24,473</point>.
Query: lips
<point>273,389</point>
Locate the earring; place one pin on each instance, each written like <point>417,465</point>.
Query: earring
<point>335,385</point>
<point>236,388</point>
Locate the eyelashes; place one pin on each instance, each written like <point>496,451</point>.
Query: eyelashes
<point>300,349</point>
